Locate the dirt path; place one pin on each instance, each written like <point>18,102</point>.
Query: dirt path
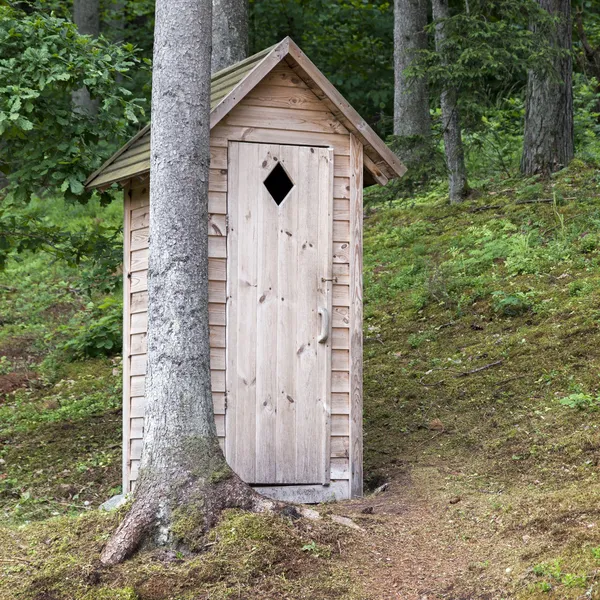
<point>415,548</point>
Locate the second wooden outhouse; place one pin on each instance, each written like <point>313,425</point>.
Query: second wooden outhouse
<point>289,159</point>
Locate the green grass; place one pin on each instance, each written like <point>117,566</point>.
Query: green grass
<point>482,362</point>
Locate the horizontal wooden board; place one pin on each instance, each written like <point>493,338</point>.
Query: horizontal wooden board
<point>138,281</point>
<point>223,134</point>
<point>340,338</point>
<point>341,231</point>
<point>217,180</point>
<point>280,118</point>
<point>220,423</point>
<point>219,403</point>
<point>137,406</point>
<point>341,295</point>
<point>340,381</point>
<point>138,323</point>
<point>340,447</point>
<point>341,272</point>
<point>282,75</point>
<point>216,225</point>
<point>217,379</point>
<point>137,364</point>
<point>138,260</point>
<point>341,209</point>
<point>307,494</point>
<point>217,336</point>
<point>340,360</point>
<point>140,218</point>
<point>136,428</point>
<point>340,468</point>
<point>137,385</point>
<point>216,314</point>
<point>139,302</point>
<point>217,247</point>
<point>340,404</point>
<point>218,158</point>
<point>135,449</point>
<point>217,269</point>
<point>341,316</point>
<point>138,344</point>
<point>341,252</point>
<point>217,203</point>
<point>216,291</point>
<point>284,96</point>
<point>340,425</point>
<point>341,187</point>
<point>139,239</point>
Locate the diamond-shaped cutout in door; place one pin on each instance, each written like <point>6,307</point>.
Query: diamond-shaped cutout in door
<point>278,184</point>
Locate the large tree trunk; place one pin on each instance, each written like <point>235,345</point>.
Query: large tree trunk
<point>411,94</point>
<point>229,33</point>
<point>184,482</point>
<point>86,15</point>
<point>548,143</point>
<point>453,146</point>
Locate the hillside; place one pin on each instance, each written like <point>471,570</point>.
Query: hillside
<point>482,362</point>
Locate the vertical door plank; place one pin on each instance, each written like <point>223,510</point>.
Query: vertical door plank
<point>325,212</point>
<point>308,402</point>
<point>286,323</point>
<point>267,299</point>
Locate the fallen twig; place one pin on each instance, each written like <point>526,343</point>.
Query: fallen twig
<point>478,369</point>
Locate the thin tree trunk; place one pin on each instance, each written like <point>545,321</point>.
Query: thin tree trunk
<point>229,33</point>
<point>86,15</point>
<point>548,143</point>
<point>411,94</point>
<point>453,146</point>
<point>184,482</point>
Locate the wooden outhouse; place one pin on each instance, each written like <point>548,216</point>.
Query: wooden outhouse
<point>289,159</point>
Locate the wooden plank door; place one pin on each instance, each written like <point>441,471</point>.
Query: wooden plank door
<point>280,204</point>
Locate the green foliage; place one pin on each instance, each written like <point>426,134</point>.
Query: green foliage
<point>97,331</point>
<point>351,41</point>
<point>581,401</point>
<point>511,305</point>
<point>53,147</point>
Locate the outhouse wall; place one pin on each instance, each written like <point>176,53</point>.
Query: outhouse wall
<point>282,109</point>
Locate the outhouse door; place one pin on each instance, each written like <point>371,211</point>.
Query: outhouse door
<point>280,203</point>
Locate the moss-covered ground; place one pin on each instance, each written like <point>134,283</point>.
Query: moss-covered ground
<point>482,411</point>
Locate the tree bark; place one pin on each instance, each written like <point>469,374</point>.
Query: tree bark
<point>86,15</point>
<point>184,481</point>
<point>453,146</point>
<point>548,143</point>
<point>411,94</point>
<point>229,33</point>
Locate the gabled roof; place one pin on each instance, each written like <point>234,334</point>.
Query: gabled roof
<point>230,86</point>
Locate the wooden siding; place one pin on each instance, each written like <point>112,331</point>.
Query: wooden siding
<point>137,230</point>
<point>254,120</point>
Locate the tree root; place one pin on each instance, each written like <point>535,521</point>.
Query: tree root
<point>179,516</point>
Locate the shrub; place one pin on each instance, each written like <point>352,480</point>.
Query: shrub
<point>97,331</point>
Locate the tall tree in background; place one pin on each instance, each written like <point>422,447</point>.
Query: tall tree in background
<point>229,33</point>
<point>86,15</point>
<point>453,146</point>
<point>548,141</point>
<point>184,481</point>
<point>411,95</point>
